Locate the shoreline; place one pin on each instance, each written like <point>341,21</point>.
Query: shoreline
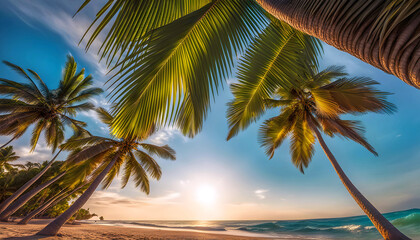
<point>12,231</point>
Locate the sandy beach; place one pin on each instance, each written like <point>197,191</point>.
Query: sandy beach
<point>90,231</point>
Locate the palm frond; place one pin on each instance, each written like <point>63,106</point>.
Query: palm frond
<point>105,116</point>
<point>92,151</point>
<point>114,170</point>
<point>161,151</point>
<point>137,171</point>
<point>131,20</point>
<point>351,95</point>
<point>273,61</point>
<point>274,130</point>
<point>149,164</point>
<point>180,65</point>
<point>302,144</point>
<point>348,129</point>
<point>22,72</point>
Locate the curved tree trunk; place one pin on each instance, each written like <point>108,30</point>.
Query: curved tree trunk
<point>22,189</point>
<point>385,228</point>
<point>53,228</point>
<point>4,145</point>
<point>4,216</point>
<point>35,212</point>
<point>52,202</point>
<point>347,24</point>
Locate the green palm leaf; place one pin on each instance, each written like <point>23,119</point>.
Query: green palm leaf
<point>273,61</point>
<point>177,67</point>
<point>132,19</point>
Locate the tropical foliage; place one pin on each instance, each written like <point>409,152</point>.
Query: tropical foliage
<point>7,155</point>
<point>33,103</point>
<point>104,157</point>
<point>314,104</point>
<point>14,179</point>
<point>170,59</point>
<point>175,56</point>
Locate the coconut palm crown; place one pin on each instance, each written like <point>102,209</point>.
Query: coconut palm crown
<point>32,103</point>
<point>105,157</point>
<point>320,100</point>
<point>132,152</point>
<point>7,155</point>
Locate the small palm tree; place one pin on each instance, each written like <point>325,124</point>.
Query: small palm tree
<point>7,155</point>
<point>314,106</point>
<point>33,103</point>
<point>107,156</point>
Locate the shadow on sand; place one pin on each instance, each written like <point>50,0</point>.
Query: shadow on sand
<point>31,237</point>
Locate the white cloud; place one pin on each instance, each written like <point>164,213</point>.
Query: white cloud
<point>104,198</point>
<point>164,135</point>
<point>69,28</point>
<point>260,193</point>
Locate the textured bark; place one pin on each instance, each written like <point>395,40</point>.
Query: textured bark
<point>347,24</point>
<point>385,228</point>
<point>6,203</point>
<point>53,228</point>
<point>4,216</point>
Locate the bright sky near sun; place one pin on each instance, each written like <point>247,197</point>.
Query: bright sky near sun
<point>212,178</point>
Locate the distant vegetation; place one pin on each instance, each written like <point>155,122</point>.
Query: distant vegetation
<point>16,176</point>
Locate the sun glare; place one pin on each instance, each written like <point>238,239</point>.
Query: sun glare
<point>206,194</point>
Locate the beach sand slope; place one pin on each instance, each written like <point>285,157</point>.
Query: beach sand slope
<point>13,231</point>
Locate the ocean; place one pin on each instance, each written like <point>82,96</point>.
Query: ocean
<point>357,227</point>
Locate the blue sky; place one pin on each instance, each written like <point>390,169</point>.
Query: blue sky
<point>237,174</point>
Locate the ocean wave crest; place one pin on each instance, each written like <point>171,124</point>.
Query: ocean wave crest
<point>409,220</point>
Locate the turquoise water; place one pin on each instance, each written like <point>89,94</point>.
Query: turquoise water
<point>358,227</point>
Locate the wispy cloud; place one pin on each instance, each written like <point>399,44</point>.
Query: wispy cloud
<point>53,15</point>
<point>103,198</point>
<point>260,193</point>
<point>164,135</point>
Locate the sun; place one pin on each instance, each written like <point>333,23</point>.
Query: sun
<point>206,194</point>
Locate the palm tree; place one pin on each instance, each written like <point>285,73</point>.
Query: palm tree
<point>56,173</point>
<point>174,62</point>
<point>314,106</point>
<point>65,194</point>
<point>170,57</point>
<point>7,155</point>
<point>33,103</point>
<point>106,156</point>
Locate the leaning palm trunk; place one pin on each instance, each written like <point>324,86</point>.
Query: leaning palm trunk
<point>381,33</point>
<point>4,216</point>
<point>52,202</point>
<point>22,189</point>
<point>385,228</point>
<point>52,228</point>
<point>4,145</point>
<point>35,212</point>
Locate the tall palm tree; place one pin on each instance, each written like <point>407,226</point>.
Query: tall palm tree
<point>314,106</point>
<point>107,156</point>
<point>33,103</point>
<point>7,155</point>
<point>172,56</point>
